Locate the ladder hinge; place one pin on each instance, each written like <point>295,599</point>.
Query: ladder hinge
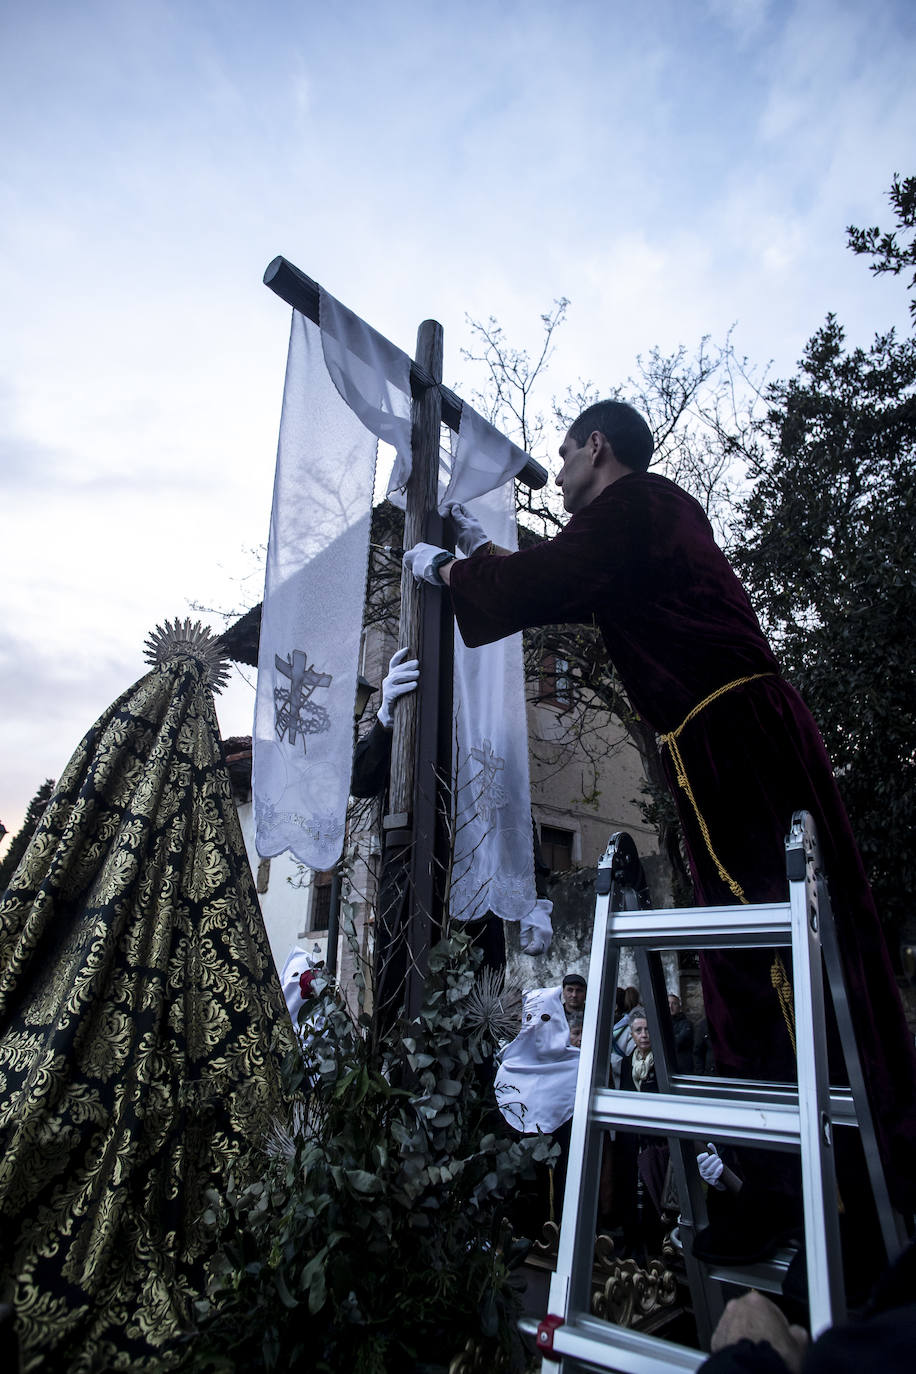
<point>603,881</point>
<point>796,864</point>
<point>546,1328</point>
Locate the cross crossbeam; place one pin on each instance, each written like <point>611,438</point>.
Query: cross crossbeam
<point>303,294</point>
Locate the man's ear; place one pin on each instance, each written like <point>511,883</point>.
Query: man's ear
<point>597,443</point>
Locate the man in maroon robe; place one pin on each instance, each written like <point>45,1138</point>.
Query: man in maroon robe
<point>639,560</point>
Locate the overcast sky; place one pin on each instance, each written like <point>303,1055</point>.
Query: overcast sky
<point>672,168</point>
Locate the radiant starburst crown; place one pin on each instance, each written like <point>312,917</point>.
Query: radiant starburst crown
<point>180,639</point>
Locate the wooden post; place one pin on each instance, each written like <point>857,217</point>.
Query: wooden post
<point>421,501</point>
<point>411,825</point>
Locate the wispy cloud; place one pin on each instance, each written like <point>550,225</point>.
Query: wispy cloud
<point>671,169</point>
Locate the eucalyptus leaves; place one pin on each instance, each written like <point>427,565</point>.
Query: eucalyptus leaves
<point>373,1239</point>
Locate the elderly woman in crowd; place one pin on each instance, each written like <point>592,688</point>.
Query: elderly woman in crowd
<point>637,1069</point>
<point>640,1163</point>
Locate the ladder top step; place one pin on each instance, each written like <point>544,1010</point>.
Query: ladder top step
<point>715,927</point>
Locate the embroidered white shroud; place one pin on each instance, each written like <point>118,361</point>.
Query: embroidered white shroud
<point>493,867</point>
<point>345,385</point>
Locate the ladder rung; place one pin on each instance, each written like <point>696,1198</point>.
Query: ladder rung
<point>706,927</point>
<point>718,1118</point>
<point>768,1275</point>
<point>632,1351</point>
<point>701,1088</point>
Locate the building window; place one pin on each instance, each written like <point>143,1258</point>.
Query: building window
<point>321,900</point>
<point>557,848</point>
<point>554,688</point>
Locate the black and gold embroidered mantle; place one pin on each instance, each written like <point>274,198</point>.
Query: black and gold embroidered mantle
<point>141,1032</point>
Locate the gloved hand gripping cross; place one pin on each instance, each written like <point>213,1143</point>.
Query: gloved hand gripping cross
<point>403,676</point>
<point>425,560</point>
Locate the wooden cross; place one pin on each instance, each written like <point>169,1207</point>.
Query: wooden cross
<point>415,827</point>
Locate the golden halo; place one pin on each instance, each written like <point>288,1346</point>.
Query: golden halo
<point>180,639</point>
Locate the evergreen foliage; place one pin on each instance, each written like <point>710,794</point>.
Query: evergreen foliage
<point>374,1240</point>
<point>20,841</point>
<point>892,253</point>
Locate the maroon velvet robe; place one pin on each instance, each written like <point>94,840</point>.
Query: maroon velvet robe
<point>641,562</point>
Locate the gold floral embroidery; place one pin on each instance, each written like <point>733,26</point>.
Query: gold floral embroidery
<point>143,1032</point>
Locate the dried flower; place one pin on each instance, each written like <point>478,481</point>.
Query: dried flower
<point>493,1006</point>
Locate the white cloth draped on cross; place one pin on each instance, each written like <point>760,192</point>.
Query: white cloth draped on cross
<point>493,866</point>
<point>335,405</point>
<point>346,388</point>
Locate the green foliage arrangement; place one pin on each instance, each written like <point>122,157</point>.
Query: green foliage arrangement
<point>373,1239</point>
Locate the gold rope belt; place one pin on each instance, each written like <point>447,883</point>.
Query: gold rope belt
<point>683,781</point>
<point>778,975</point>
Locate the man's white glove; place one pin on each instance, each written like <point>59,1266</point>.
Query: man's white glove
<point>469,533</point>
<point>711,1167</point>
<point>421,560</point>
<point>535,929</point>
<point>403,676</point>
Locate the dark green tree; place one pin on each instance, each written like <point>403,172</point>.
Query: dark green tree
<point>826,544</point>
<point>895,250</point>
<point>20,841</point>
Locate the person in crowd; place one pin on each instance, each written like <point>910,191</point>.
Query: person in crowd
<point>621,1036</point>
<point>638,1070</point>
<point>372,755</point>
<point>640,1164</point>
<point>682,1031</point>
<point>573,993</point>
<point>535,1088</point>
<point>754,1336</point>
<point>296,979</point>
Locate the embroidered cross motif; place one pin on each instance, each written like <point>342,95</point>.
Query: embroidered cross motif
<point>490,796</point>
<point>295,713</point>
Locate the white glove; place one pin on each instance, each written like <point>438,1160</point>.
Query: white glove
<point>535,929</point>
<point>419,560</point>
<point>402,678</point>
<point>711,1167</point>
<point>469,533</point>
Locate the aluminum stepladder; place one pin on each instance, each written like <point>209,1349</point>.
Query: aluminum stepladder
<point>689,1108</point>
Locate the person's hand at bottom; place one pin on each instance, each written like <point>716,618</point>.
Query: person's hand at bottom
<point>753,1317</point>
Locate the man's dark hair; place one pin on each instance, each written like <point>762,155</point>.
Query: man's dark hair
<point>624,428</point>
